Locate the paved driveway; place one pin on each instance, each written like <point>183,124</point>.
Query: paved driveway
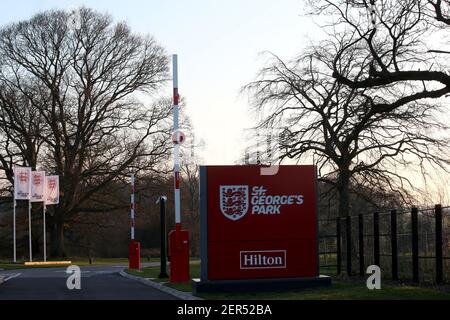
<point>97,283</point>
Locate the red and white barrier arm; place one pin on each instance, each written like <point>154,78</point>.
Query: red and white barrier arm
<point>132,206</point>
<point>176,127</point>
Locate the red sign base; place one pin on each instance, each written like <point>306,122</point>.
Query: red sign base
<point>134,255</point>
<point>179,255</point>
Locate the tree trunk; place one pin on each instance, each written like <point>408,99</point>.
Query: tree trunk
<point>344,211</point>
<point>57,235</point>
<point>343,190</point>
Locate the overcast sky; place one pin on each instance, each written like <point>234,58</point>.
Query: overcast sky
<point>219,45</point>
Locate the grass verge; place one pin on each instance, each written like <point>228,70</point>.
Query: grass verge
<point>153,273</point>
<point>340,290</point>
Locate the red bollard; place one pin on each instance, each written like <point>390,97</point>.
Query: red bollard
<point>179,255</point>
<point>135,255</point>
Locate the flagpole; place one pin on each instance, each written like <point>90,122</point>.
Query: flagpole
<point>14,215</point>
<point>29,229</point>
<point>14,226</point>
<point>45,238</point>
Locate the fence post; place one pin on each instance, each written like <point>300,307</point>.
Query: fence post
<point>438,230</point>
<point>415,244</point>
<point>394,245</point>
<point>376,238</point>
<point>348,236</point>
<point>361,245</point>
<point>338,245</point>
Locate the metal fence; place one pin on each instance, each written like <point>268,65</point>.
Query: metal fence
<point>407,245</point>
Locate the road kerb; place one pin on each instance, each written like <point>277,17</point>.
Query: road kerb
<point>176,293</point>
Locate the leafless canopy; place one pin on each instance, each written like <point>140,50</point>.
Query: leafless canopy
<point>403,44</point>
<point>337,125</point>
<point>76,99</point>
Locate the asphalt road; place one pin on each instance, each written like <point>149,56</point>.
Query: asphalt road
<point>97,283</point>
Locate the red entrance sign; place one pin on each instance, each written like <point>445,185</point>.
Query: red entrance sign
<point>259,226</point>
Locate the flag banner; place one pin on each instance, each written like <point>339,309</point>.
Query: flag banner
<point>37,186</point>
<point>51,190</point>
<point>22,183</point>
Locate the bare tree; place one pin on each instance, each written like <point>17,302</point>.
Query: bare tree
<point>81,78</point>
<point>190,184</point>
<point>334,125</point>
<point>20,131</point>
<point>400,39</point>
<point>190,175</point>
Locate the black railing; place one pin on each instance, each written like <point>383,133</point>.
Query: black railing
<point>408,245</point>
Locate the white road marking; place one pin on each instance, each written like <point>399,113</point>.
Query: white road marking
<point>11,276</point>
